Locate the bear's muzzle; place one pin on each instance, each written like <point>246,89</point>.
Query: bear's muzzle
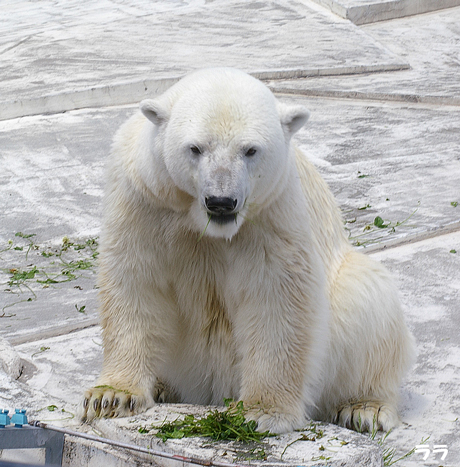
<point>221,209</point>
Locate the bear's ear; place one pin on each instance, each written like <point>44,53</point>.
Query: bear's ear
<point>154,111</point>
<point>293,117</point>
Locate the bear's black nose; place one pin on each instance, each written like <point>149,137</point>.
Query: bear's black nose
<point>220,206</point>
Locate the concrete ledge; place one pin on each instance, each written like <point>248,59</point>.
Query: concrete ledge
<point>371,11</point>
<point>51,331</point>
<point>133,92</point>
<point>97,96</point>
<point>320,444</point>
<point>302,89</point>
<point>79,452</point>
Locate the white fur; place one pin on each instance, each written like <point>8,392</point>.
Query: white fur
<point>274,308</point>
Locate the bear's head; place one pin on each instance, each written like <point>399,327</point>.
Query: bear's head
<point>223,138</point>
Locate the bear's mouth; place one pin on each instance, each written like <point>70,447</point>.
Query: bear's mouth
<point>223,219</point>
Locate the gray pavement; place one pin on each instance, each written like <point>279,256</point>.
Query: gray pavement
<point>386,141</point>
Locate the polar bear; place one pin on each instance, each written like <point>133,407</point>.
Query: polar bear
<point>225,271</point>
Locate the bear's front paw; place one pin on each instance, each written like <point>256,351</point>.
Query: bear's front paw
<point>109,402</point>
<point>275,420</point>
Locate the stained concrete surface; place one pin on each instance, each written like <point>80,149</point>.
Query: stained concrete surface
<point>383,154</point>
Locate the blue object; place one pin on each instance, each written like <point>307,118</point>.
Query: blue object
<point>19,418</point>
<point>4,419</point>
<point>31,437</point>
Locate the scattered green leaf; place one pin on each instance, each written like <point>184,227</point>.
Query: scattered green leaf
<point>55,408</point>
<point>389,453</point>
<point>80,309</point>
<point>42,349</point>
<point>18,277</point>
<point>229,424</point>
<point>252,454</point>
<point>204,231</point>
<point>384,229</point>
<point>379,223</point>
<point>68,261</point>
<point>22,235</point>
<point>313,434</point>
<point>320,458</point>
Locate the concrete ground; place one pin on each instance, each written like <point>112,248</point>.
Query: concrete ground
<point>384,133</point>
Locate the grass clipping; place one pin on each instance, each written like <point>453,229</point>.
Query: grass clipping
<point>229,424</point>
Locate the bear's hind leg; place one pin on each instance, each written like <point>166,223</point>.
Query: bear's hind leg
<point>371,347</point>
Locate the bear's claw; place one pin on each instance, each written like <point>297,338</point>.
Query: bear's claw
<point>108,402</point>
<point>367,416</point>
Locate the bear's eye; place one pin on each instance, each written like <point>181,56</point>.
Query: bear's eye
<point>195,150</point>
<point>250,152</point>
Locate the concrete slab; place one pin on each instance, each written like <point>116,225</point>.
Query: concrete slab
<point>50,50</point>
<point>317,444</point>
<point>371,11</point>
<point>432,79</point>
